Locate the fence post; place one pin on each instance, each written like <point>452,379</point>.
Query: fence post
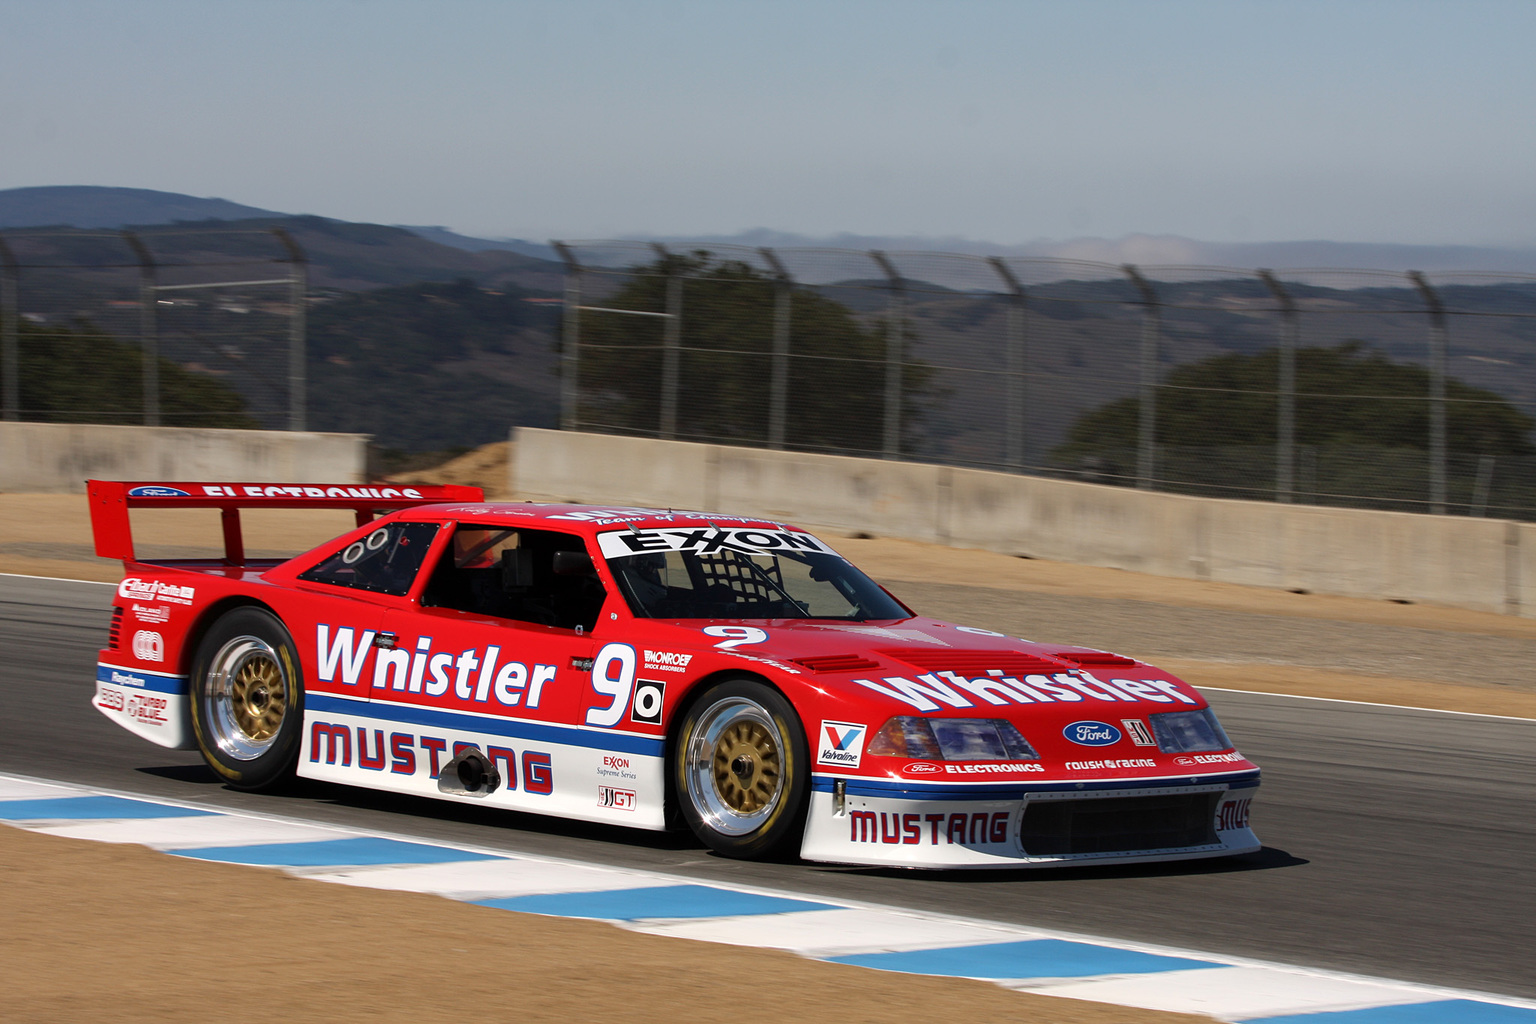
<point>1146,431</point>
<point>570,335</point>
<point>149,337</point>
<point>671,344</point>
<point>1015,362</point>
<point>1480,492</point>
<point>890,447</point>
<point>778,383</point>
<point>298,351</point>
<point>1437,347</point>
<point>10,359</point>
<point>1285,434</point>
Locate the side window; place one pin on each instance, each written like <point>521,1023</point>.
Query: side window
<point>384,561</point>
<point>536,576</point>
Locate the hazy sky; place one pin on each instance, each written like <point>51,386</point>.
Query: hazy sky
<point>1349,120</point>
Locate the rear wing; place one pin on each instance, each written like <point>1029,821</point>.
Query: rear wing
<point>111,501</point>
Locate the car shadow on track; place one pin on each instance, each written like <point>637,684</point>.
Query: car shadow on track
<point>309,799</point>
<point>1264,859</point>
<point>335,804</point>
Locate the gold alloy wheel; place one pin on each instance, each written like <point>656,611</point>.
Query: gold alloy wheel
<point>258,699</point>
<point>733,767</point>
<point>246,692</point>
<point>746,766</point>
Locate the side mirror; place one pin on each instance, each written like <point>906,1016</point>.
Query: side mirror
<point>573,563</point>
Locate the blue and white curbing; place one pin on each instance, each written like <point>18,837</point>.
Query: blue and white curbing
<point>1027,959</point>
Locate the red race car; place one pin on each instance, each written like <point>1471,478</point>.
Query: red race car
<point>651,668</point>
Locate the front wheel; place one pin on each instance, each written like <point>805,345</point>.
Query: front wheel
<point>742,769</point>
<point>248,699</point>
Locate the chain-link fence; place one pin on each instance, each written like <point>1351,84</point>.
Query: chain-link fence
<point>1377,389</point>
<point>172,309</point>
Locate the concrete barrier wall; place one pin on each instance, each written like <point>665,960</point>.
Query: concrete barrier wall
<point>62,456</point>
<point>1482,564</point>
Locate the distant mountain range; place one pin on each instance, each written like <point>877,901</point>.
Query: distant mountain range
<point>87,206</point>
<point>1163,250</point>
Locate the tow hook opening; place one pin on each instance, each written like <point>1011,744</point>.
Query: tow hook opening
<point>470,773</point>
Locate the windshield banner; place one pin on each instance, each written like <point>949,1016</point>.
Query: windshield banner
<point>707,541</point>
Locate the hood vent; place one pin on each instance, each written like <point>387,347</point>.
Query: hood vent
<point>972,663</point>
<point>837,663</point>
<point>1093,658</point>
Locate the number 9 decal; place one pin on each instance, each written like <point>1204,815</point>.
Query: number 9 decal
<point>613,673</point>
<point>736,636</point>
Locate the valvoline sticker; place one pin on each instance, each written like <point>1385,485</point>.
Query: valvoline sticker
<point>1092,734</point>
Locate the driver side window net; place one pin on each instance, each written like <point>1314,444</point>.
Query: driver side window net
<point>384,561</point>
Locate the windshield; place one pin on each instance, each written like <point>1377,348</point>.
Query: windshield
<point>722,574</point>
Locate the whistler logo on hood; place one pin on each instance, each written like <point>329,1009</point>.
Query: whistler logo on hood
<point>1092,734</point>
<point>158,492</point>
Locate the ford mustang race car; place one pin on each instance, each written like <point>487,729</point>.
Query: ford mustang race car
<point>651,668</point>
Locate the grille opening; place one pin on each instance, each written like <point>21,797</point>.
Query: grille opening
<point>115,630</point>
<point>1119,824</point>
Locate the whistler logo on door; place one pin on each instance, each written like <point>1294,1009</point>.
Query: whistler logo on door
<point>841,743</point>
<point>1092,734</point>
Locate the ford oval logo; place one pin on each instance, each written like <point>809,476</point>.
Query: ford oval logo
<point>158,492</point>
<point>922,768</point>
<point>1092,734</point>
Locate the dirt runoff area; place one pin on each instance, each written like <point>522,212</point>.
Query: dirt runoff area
<point>90,931</point>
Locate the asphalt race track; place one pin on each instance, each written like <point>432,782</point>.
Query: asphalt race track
<point>1398,843</point>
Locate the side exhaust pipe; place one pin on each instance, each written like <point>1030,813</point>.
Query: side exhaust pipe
<point>470,773</point>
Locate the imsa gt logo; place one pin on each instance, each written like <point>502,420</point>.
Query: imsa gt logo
<point>841,744</point>
<point>617,799</point>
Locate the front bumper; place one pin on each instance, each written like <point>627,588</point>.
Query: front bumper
<point>1037,825</point>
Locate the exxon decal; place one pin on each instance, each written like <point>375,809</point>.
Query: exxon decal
<point>158,492</point>
<point>1092,734</point>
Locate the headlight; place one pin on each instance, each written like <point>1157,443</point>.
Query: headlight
<point>952,739</point>
<point>1182,732</point>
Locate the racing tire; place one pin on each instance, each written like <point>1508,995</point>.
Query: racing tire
<point>741,770</point>
<point>248,699</point>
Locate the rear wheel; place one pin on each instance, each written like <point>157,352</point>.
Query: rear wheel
<point>742,771</point>
<point>248,699</point>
